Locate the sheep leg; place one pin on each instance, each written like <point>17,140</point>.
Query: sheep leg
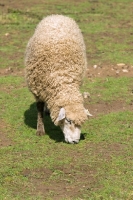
<point>40,124</point>
<point>46,110</point>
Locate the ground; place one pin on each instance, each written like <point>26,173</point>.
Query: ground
<point>77,175</point>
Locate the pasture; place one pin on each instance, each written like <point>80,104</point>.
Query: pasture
<point>100,166</point>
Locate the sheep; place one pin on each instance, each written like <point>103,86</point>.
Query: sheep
<point>55,64</point>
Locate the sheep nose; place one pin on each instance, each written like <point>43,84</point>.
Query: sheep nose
<point>72,141</point>
<point>75,142</point>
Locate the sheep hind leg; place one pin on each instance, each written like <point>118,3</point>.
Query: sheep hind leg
<point>40,124</point>
<point>46,110</point>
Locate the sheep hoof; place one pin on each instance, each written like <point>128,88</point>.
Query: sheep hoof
<point>40,133</point>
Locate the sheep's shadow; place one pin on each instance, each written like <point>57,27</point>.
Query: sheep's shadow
<point>54,132</point>
<point>30,119</point>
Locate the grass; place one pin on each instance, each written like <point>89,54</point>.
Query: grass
<point>110,168</point>
<point>96,20</point>
<point>108,89</point>
<point>101,165</point>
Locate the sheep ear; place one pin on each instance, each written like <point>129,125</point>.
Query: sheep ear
<point>62,114</point>
<point>88,113</point>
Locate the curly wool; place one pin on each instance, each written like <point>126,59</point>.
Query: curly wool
<point>55,66</point>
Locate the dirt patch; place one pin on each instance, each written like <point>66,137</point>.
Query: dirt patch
<point>61,182</point>
<point>4,139</point>
<point>8,4</point>
<point>119,70</point>
<point>12,71</point>
<point>103,108</point>
<point>12,4</point>
<point>70,181</point>
<point>106,151</point>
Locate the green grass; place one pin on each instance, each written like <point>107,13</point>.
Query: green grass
<point>111,168</point>
<point>107,28</point>
<point>101,165</point>
<point>109,89</point>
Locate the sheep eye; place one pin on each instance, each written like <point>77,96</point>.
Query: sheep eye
<point>69,120</point>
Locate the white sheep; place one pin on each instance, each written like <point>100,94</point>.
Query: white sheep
<point>55,63</point>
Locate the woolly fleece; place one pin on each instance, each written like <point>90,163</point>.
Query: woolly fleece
<point>55,62</point>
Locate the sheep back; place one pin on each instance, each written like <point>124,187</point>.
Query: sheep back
<point>56,63</point>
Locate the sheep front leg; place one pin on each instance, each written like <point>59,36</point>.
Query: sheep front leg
<point>40,124</point>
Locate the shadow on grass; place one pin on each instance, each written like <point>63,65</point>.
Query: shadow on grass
<point>30,119</point>
<point>54,132</point>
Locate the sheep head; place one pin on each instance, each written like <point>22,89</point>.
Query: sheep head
<point>71,131</point>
